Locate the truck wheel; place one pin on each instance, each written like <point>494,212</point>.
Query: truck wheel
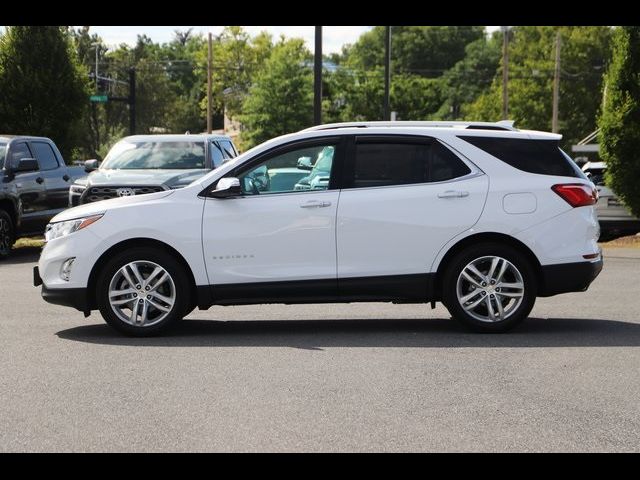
<point>7,234</point>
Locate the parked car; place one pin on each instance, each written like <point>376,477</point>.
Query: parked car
<point>142,164</point>
<point>614,217</point>
<point>34,181</point>
<point>480,216</point>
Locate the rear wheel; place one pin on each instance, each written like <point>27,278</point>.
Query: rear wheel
<point>143,291</point>
<point>7,234</point>
<point>489,287</point>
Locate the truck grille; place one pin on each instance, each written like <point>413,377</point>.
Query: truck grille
<point>95,194</point>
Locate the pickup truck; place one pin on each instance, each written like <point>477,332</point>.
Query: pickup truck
<point>141,164</point>
<point>34,186</point>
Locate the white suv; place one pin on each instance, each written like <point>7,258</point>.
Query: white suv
<point>480,216</point>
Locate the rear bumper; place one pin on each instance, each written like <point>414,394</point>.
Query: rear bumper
<point>568,277</point>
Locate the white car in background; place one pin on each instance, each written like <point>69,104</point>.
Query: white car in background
<point>480,216</point>
<point>614,217</point>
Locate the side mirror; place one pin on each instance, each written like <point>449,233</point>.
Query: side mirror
<point>91,165</point>
<point>26,165</point>
<point>226,187</point>
<point>304,163</point>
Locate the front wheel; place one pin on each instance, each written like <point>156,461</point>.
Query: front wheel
<point>489,287</point>
<point>142,291</point>
<point>7,234</point>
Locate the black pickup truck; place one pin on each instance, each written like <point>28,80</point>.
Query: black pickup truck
<point>34,186</point>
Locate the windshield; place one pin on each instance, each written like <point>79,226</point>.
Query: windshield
<point>3,150</point>
<point>128,155</point>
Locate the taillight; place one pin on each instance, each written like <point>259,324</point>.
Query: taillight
<point>576,194</point>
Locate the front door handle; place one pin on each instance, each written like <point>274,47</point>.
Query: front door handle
<point>315,204</point>
<point>39,180</point>
<point>453,194</point>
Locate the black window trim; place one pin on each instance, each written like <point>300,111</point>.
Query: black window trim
<point>340,141</point>
<point>349,162</point>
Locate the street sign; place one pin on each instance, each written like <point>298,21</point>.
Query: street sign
<point>98,98</point>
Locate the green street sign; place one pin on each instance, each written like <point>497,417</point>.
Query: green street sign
<point>98,98</point>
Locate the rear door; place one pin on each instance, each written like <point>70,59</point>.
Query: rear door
<point>56,178</point>
<point>403,199</point>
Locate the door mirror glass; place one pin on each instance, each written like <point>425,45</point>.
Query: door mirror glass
<point>91,165</point>
<point>226,187</point>
<point>26,165</point>
<point>304,163</point>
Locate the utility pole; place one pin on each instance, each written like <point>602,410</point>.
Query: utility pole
<point>317,78</point>
<point>209,86</point>
<point>387,73</point>
<point>505,72</point>
<point>556,86</point>
<point>132,101</point>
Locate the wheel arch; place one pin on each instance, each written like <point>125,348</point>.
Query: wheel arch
<point>485,237</point>
<point>132,243</point>
<point>9,206</point>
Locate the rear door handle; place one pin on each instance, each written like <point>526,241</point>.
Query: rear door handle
<point>453,194</point>
<point>315,204</point>
<point>66,178</point>
<point>39,180</point>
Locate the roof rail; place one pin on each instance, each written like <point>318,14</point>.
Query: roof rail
<point>501,125</point>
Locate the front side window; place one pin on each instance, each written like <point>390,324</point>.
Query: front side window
<point>380,163</point>
<point>128,155</point>
<point>301,169</point>
<point>45,156</point>
<point>3,151</point>
<point>17,152</point>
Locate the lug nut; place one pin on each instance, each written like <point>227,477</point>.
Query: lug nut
<point>147,288</point>
<point>140,301</point>
<point>484,293</point>
<point>138,287</point>
<point>135,295</point>
<point>484,284</point>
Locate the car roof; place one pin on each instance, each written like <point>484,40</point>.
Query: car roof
<point>9,138</point>
<point>176,137</point>
<point>595,165</point>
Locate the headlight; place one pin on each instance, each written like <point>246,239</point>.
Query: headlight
<point>62,229</point>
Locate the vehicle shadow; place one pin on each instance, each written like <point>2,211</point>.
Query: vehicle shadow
<point>22,255</point>
<point>319,334</point>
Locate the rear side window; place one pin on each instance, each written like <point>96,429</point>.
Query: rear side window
<point>385,163</point>
<point>543,157</point>
<point>45,156</point>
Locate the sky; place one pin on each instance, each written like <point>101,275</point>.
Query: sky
<point>333,38</point>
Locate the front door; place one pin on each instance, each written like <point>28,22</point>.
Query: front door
<point>277,239</point>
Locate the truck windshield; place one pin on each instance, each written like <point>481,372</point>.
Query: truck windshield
<point>3,150</point>
<point>129,155</point>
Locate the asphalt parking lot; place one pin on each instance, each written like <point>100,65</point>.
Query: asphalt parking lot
<point>359,377</point>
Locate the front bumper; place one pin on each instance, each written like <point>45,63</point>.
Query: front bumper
<point>568,277</point>
<point>68,297</point>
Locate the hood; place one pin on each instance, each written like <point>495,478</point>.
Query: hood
<point>170,178</point>
<point>104,205</point>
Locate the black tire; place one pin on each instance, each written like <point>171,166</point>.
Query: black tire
<point>7,234</point>
<point>517,315</point>
<point>170,264</point>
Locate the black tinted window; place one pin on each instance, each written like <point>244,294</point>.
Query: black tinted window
<point>45,155</point>
<point>534,156</point>
<point>17,152</point>
<point>385,163</point>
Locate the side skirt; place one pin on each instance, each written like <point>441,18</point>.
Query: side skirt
<point>416,288</point>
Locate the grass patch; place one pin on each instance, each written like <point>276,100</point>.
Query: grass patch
<point>630,241</point>
<point>32,242</point>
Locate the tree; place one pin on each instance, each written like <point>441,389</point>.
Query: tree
<point>44,87</point>
<point>620,119</point>
<point>280,100</point>
<point>584,55</point>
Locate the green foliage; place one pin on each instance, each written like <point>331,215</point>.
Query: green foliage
<point>620,119</point>
<point>280,100</point>
<point>584,53</point>
<point>44,87</point>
